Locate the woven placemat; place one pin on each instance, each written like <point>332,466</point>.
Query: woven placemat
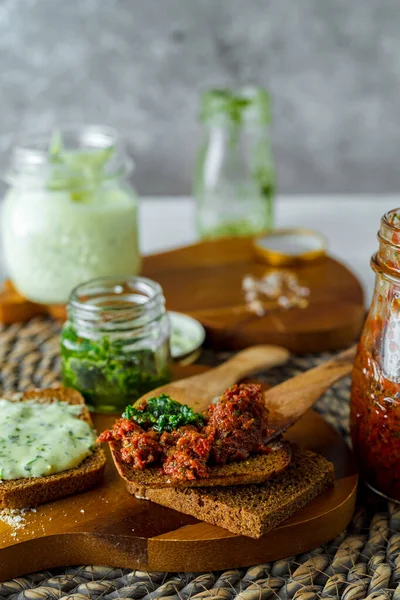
<point>364,561</point>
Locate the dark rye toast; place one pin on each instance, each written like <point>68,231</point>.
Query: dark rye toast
<point>251,510</point>
<point>32,491</point>
<point>255,469</point>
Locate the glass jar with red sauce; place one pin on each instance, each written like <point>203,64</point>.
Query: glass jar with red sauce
<point>375,393</point>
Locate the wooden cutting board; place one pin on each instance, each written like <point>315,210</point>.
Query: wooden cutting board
<point>108,526</point>
<point>205,281</point>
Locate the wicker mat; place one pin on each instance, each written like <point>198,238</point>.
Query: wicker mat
<point>364,561</point>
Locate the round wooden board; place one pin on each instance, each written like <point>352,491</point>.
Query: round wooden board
<point>108,526</point>
<point>205,281</point>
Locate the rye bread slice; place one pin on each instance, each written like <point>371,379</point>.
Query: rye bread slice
<point>32,491</point>
<point>255,509</point>
<point>255,469</point>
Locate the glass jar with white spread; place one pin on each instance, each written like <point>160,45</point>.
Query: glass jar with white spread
<point>70,214</point>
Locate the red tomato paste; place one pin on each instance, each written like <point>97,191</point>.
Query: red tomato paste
<point>235,428</point>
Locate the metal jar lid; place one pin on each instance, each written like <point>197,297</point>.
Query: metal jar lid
<point>288,247</point>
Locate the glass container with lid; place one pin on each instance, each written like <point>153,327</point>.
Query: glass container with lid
<point>375,393</point>
<point>115,344</point>
<point>70,214</point>
<point>235,178</point>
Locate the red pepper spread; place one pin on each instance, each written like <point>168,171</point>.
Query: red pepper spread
<point>375,414</point>
<point>375,393</point>
<point>235,428</point>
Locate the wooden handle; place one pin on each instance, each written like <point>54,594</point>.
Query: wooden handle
<point>244,363</point>
<point>199,391</point>
<point>289,400</point>
<point>206,386</point>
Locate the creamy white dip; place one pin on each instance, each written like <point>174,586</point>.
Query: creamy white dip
<point>53,243</point>
<point>40,439</point>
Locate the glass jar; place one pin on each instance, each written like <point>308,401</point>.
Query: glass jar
<point>375,393</point>
<point>235,179</point>
<point>70,214</point>
<point>115,343</point>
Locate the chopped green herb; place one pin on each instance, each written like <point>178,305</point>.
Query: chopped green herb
<point>56,147</point>
<point>28,465</point>
<point>163,414</point>
<point>108,375</point>
<point>79,171</point>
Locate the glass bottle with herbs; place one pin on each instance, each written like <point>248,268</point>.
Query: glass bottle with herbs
<point>115,346</point>
<point>235,177</point>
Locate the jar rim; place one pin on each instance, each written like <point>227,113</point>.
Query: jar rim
<point>115,305</point>
<point>121,286</point>
<point>388,255</point>
<point>250,104</point>
<point>389,218</point>
<point>31,153</point>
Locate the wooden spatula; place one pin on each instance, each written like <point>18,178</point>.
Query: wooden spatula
<point>199,391</point>
<point>288,401</point>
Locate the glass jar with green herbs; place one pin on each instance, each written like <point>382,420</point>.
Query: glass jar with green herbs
<point>115,343</point>
<point>70,213</point>
<point>235,178</point>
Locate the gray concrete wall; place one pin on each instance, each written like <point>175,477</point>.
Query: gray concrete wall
<point>332,66</point>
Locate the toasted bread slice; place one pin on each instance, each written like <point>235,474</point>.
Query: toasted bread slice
<point>255,469</point>
<point>255,509</point>
<point>20,493</point>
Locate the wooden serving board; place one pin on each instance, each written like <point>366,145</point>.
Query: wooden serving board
<point>108,526</point>
<point>205,281</point>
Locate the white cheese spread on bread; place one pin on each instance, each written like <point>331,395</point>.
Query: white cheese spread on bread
<point>39,439</point>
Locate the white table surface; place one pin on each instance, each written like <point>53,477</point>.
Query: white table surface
<point>349,223</point>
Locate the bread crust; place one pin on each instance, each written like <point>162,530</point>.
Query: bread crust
<point>32,491</point>
<point>255,469</point>
<point>250,510</point>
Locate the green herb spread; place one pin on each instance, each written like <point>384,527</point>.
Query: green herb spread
<point>39,439</point>
<point>106,373</point>
<point>161,413</point>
